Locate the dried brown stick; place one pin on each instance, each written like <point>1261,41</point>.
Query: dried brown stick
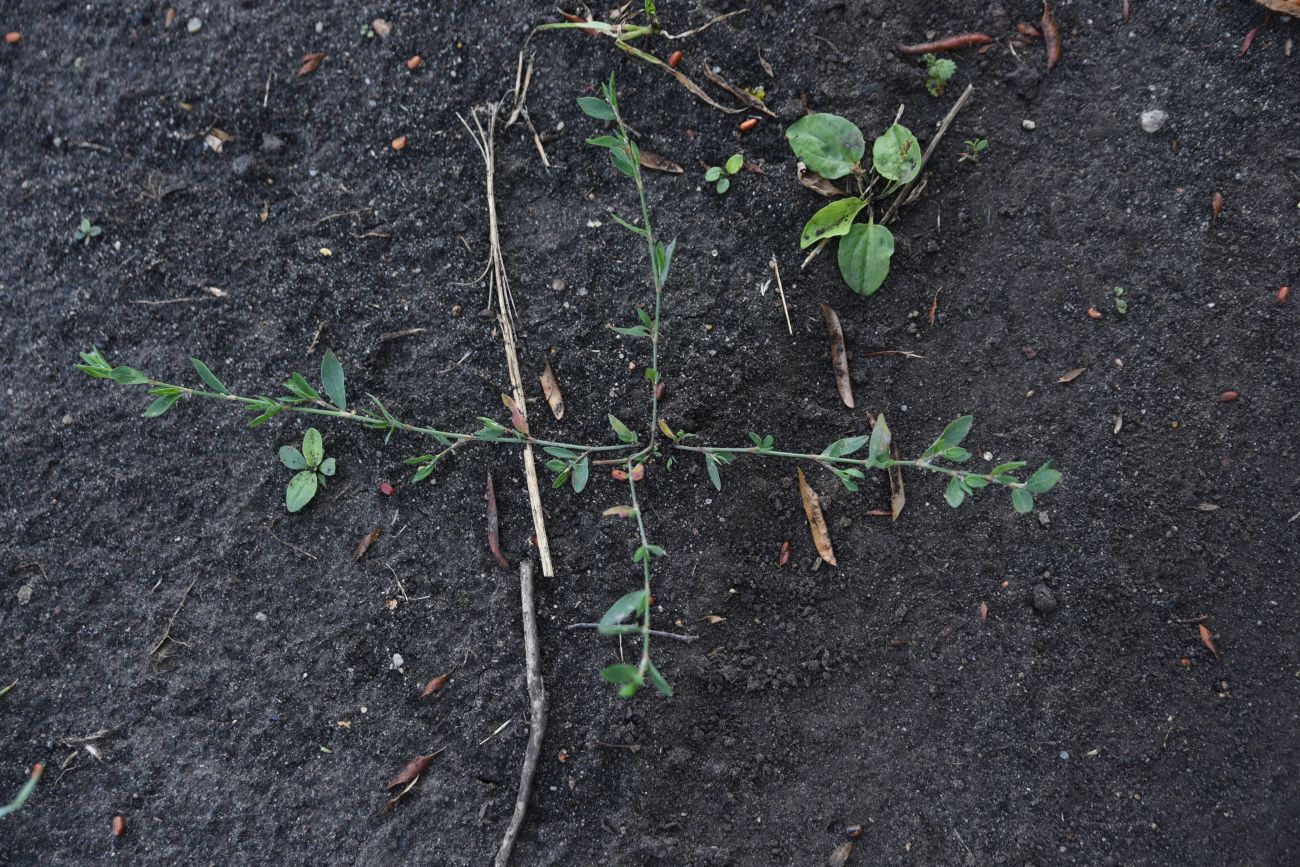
<point>929,149</point>
<point>537,700</point>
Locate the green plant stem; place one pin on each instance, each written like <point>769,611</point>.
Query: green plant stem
<point>25,792</point>
<point>862,463</point>
<point>363,418</point>
<point>645,573</point>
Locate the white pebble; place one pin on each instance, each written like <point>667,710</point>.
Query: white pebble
<point>1153,119</point>
<point>194,25</point>
<point>1028,124</point>
<point>397,660</point>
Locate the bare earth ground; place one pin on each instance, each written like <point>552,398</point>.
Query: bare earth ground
<point>1074,737</point>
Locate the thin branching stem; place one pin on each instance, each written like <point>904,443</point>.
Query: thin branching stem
<point>645,571</point>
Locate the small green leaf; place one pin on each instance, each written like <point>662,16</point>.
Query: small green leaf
<point>828,144</point>
<point>627,690</point>
<point>127,376</point>
<point>621,672</point>
<point>864,256</point>
<point>312,447</point>
<point>1022,500</point>
<point>624,434</point>
<point>302,487</point>
<point>663,259</point>
<point>711,464</point>
<point>623,163</point>
<point>1009,467</point>
<point>331,377</point>
<point>292,458</point>
<point>606,141</point>
<point>629,605</point>
<point>326,467</point>
<point>724,184</point>
<point>580,472</point>
<point>957,454</point>
<point>560,452</point>
<point>1043,479</point>
<point>633,331</point>
<point>896,155</point>
<point>831,221</point>
<point>976,482</point>
<point>713,173</point>
<point>735,163</point>
<point>161,405</point>
<point>208,377</point>
<point>658,679</point>
<point>636,230</point>
<point>846,446</point>
<point>595,107</point>
<point>952,435</point>
<point>881,438</point>
<point>562,477</point>
<point>955,493</point>
<point>557,466</point>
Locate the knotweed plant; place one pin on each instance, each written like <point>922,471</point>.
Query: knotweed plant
<point>634,449</point>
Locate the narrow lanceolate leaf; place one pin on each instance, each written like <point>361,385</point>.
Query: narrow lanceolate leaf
<point>331,377</point>
<point>839,355</point>
<point>864,256</point>
<point>845,447</point>
<point>209,379</point>
<point>622,673</point>
<point>581,470</point>
<point>955,494</point>
<point>880,441</point>
<point>595,107</point>
<point>292,458</point>
<point>812,509</point>
<point>1022,500</point>
<point>663,260</point>
<point>897,490</point>
<point>302,487</point>
<point>312,447</point>
<point>625,435</point>
<point>161,405</point>
<point>127,375</point>
<point>831,221</point>
<point>711,464</point>
<point>658,679</point>
<point>413,769</point>
<point>952,435</point>
<point>659,164</point>
<point>628,606</point>
<point>517,417</point>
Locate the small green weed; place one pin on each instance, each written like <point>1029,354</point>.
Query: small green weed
<point>938,72</point>
<point>86,230</point>
<point>975,148</point>
<point>721,174</point>
<point>1121,303</point>
<point>314,468</point>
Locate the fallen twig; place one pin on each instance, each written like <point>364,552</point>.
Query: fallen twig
<point>781,288</point>
<point>167,633</point>
<point>929,149</point>
<point>537,701</point>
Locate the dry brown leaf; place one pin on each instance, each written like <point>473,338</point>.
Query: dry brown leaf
<point>619,511</point>
<point>934,306</point>
<point>364,545</point>
<point>434,685</point>
<point>840,856</point>
<point>413,769</point>
<point>310,63</point>
<point>119,825</point>
<point>817,183</point>
<point>1119,423</point>
<point>1207,638</point>
<point>784,556</point>
<point>897,491</point>
<point>551,388</point>
<point>1051,36</point>
<point>839,355</point>
<point>713,619</point>
<point>494,528</point>
<point>1072,375</point>
<point>816,520</point>
<point>767,67</point>
<point>659,164</point>
<point>638,473</point>
<point>984,611</point>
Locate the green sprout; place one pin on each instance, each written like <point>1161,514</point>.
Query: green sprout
<point>716,173</point>
<point>1121,303</point>
<point>974,149</point>
<point>314,468</point>
<point>25,792</point>
<point>938,72</point>
<point>86,230</point>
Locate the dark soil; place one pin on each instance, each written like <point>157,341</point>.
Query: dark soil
<point>870,693</point>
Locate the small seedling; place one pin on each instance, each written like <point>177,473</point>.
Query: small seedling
<point>86,230</point>
<point>721,174</point>
<point>367,31</point>
<point>833,147</point>
<point>938,72</point>
<point>975,148</point>
<point>1121,303</point>
<point>314,468</point>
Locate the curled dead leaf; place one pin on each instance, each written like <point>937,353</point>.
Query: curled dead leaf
<point>984,611</point>
<point>413,769</point>
<point>364,545</point>
<point>784,556</point>
<point>435,685</point>
<point>551,388</point>
<point>1051,36</point>
<point>657,163</point>
<point>310,63</point>
<point>840,855</point>
<point>817,183</point>
<point>517,417</point>
<point>812,509</point>
<point>897,491</point>
<point>713,619</point>
<point>839,355</point>
<point>1072,375</point>
<point>1207,638</point>
<point>494,527</point>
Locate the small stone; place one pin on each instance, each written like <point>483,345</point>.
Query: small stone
<point>1153,119</point>
<point>242,165</point>
<point>398,662</point>
<point>271,143</point>
<point>67,419</point>
<point>24,594</point>
<point>194,25</point>
<point>1065,756</point>
<point>1028,124</point>
<point>1044,599</point>
<point>260,617</point>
